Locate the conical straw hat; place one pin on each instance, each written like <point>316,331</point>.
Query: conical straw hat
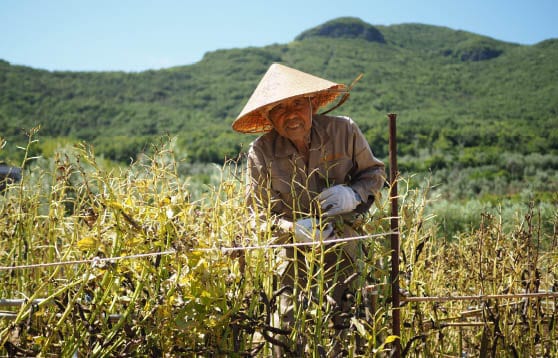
<point>279,83</point>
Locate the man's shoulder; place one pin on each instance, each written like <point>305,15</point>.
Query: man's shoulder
<point>264,140</point>
<point>333,122</point>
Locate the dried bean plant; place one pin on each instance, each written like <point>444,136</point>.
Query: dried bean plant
<point>102,262</point>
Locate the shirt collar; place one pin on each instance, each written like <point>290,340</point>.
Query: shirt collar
<point>284,148</point>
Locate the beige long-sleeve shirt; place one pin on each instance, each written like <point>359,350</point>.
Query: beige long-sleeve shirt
<point>281,181</point>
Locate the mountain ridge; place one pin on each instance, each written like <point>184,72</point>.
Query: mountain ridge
<point>314,32</point>
<point>429,74</point>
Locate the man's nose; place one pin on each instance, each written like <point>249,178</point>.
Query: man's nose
<point>290,113</point>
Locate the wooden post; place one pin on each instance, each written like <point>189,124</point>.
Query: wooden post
<point>393,176</point>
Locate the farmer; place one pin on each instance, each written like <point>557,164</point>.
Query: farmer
<point>312,173</point>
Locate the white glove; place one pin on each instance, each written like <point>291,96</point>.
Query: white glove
<point>308,230</point>
<point>339,199</point>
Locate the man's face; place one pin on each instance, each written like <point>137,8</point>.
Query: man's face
<point>292,118</point>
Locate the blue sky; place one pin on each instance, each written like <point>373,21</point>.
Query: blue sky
<point>126,35</point>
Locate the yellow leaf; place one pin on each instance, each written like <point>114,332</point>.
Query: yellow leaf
<point>391,339</point>
<point>114,205</point>
<point>39,340</point>
<point>211,322</point>
<point>165,201</point>
<point>135,241</point>
<point>88,243</point>
<point>359,326</point>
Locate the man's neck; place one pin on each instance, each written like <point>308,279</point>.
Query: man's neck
<point>303,144</point>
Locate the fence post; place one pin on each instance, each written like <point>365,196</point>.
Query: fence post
<point>393,174</point>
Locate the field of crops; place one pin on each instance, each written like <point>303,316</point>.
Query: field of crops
<point>102,262</point>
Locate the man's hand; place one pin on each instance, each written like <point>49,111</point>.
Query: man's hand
<point>339,199</point>
<point>308,230</point>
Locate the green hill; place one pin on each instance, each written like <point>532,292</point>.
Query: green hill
<point>463,99</point>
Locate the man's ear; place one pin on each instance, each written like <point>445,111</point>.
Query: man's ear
<point>314,104</point>
<point>264,112</point>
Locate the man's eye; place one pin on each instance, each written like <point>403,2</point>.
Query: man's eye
<point>276,111</point>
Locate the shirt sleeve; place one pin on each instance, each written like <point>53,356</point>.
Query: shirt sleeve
<point>257,182</point>
<point>368,175</point>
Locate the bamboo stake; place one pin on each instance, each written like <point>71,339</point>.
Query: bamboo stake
<point>480,297</point>
<point>444,324</point>
<point>13,316</point>
<point>395,234</point>
<point>14,302</point>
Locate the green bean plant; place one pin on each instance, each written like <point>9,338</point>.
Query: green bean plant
<point>141,260</point>
<point>71,231</point>
<point>504,264</point>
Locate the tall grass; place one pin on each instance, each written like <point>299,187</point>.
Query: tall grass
<point>194,296</point>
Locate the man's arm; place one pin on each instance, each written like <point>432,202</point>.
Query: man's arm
<point>262,200</point>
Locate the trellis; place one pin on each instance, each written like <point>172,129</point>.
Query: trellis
<point>397,299</point>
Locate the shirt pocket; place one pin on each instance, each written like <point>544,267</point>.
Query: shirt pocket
<point>282,186</point>
<point>338,171</point>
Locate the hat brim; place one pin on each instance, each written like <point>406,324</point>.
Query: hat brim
<point>256,120</point>
<point>278,84</point>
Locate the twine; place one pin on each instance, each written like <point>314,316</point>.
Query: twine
<point>478,297</point>
<point>97,261</point>
<point>296,244</point>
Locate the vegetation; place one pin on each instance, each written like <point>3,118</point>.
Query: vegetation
<point>451,89</point>
<point>478,114</point>
<point>191,292</point>
<point>117,164</point>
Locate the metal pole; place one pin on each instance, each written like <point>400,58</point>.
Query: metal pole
<point>393,174</point>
